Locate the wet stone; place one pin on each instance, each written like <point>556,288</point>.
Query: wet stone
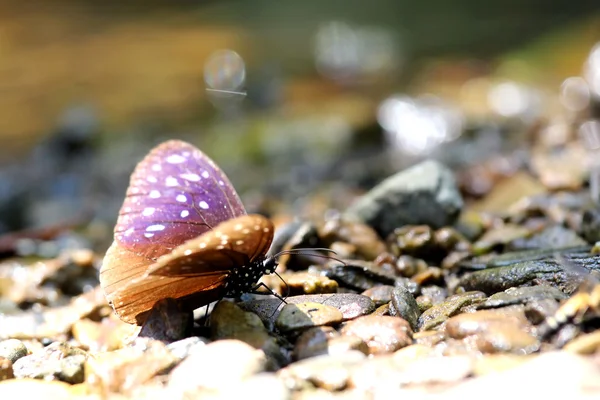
<point>522,295</point>
<point>499,236</point>
<point>305,315</point>
<point>424,194</point>
<point>217,365</point>
<point>527,273</point>
<point>439,313</point>
<point>403,305</point>
<point>58,361</point>
<point>184,347</point>
<point>381,294</point>
<point>382,334</point>
<point>12,349</point>
<point>359,275</point>
<point>6,369</point>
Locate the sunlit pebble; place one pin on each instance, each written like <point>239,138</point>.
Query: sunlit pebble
<point>203,205</point>
<point>575,94</point>
<point>181,198</point>
<point>184,213</point>
<point>154,194</point>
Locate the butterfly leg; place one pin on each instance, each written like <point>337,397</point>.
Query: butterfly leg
<point>261,284</point>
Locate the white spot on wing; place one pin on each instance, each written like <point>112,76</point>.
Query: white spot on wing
<point>151,179</point>
<point>148,211</point>
<point>202,245</point>
<point>205,174</point>
<point>190,177</point>
<point>155,228</point>
<point>128,231</point>
<point>239,242</point>
<point>154,194</point>
<point>187,252</point>
<point>175,159</point>
<point>170,181</point>
<point>148,235</point>
<point>203,205</point>
<point>184,213</point>
<point>156,167</point>
<point>181,198</point>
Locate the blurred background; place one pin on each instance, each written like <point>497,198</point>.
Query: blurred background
<point>304,104</point>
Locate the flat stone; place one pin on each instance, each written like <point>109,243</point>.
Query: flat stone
<point>307,315</point>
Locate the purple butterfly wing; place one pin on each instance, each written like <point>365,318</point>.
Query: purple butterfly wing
<point>176,193</point>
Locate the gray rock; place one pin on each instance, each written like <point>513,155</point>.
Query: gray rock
<point>425,194</point>
<point>404,305</point>
<point>12,349</point>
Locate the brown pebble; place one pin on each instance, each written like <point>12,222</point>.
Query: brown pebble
<point>380,295</point>
<point>383,334</point>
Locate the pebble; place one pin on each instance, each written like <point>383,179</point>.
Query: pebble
<point>588,343</point>
<point>382,334</point>
<point>184,347</point>
<point>217,365</point>
<point>326,340</point>
<point>34,389</point>
<point>522,295</point>
<point>229,321</point>
<point>308,283</point>
<point>265,384</point>
<point>108,335</point>
<point>438,313</point>
<point>166,321</point>
<point>380,294</point>
<point>492,332</point>
<point>404,305</point>
<point>6,369</point>
<point>306,315</point>
<point>424,194</point>
<point>57,361</point>
<point>329,372</point>
<point>125,369</point>
<point>12,349</point>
